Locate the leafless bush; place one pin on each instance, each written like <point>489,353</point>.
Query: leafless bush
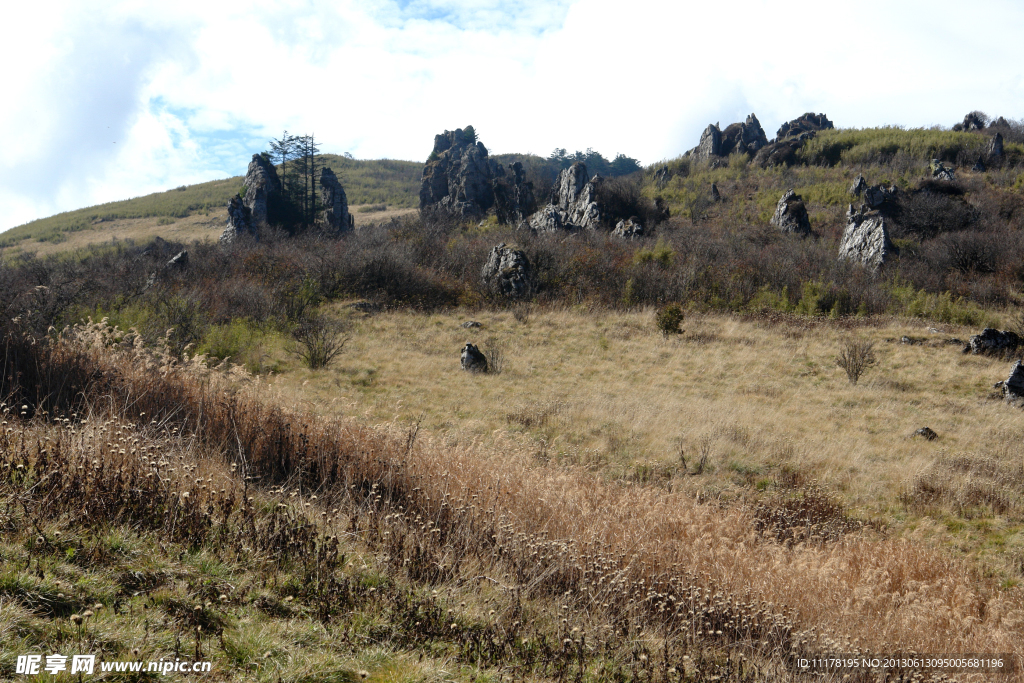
<point>494,350</point>
<point>521,312</point>
<point>319,340</point>
<point>855,357</point>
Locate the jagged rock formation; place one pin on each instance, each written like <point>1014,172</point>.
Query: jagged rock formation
<point>459,177</point>
<point>866,239</point>
<point>972,121</point>
<point>979,165</point>
<point>262,187</point>
<point>859,185</point>
<point>472,359</point>
<point>251,208</point>
<point>240,221</point>
<point>629,229</point>
<point>739,138</point>
<point>995,146</point>
<point>992,340</point>
<point>573,204</point>
<point>513,194</point>
<point>1013,386</point>
<point>942,172</point>
<point>791,214</point>
<point>508,273</point>
<point>876,196</point>
<point>334,217</point>
<point>716,196</point>
<point>999,123</point>
<point>809,123</point>
<point>710,144</point>
<point>791,137</point>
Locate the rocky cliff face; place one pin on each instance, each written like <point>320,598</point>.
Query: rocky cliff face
<point>459,177</point>
<point>239,221</point>
<point>574,204</point>
<point>513,194</point>
<point>334,216</point>
<point>262,187</point>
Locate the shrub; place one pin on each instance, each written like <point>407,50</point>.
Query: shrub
<point>494,351</point>
<point>669,318</point>
<point>855,357</point>
<point>320,340</point>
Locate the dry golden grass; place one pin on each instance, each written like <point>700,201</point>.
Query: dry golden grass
<point>691,567</point>
<point>765,400</point>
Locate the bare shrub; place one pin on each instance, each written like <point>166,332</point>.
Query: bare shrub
<point>855,357</point>
<point>319,340</point>
<point>494,350</point>
<point>521,312</point>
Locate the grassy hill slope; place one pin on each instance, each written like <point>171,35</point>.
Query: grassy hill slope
<point>367,182</point>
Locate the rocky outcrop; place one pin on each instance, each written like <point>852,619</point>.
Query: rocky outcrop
<point>629,229</point>
<point>859,185</point>
<point>508,273</point>
<point>1013,386</point>
<point>513,194</point>
<point>791,214</point>
<point>573,204</point>
<point>926,433</point>
<point>973,121</point>
<point>790,138</point>
<point>334,217</point>
<point>239,221</point>
<point>716,196</point>
<point>942,172</point>
<point>710,144</point>
<point>457,177</point>
<point>472,359</point>
<point>800,127</point>
<point>262,188</point>
<point>866,239</point>
<point>877,195</point>
<point>995,146</point>
<point>746,137</point>
<point>460,178</point>
<point>992,341</point>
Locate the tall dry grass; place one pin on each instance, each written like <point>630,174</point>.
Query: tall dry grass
<point>646,553</point>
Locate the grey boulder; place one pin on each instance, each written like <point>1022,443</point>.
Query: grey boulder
<point>866,239</point>
<point>472,359</point>
<point>791,214</point>
<point>508,273</point>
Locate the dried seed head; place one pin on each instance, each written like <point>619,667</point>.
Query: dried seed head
<point>76,619</point>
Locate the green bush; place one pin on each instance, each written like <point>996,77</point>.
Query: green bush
<point>669,318</point>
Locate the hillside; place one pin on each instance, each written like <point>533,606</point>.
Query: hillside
<point>198,211</point>
<point>708,441</point>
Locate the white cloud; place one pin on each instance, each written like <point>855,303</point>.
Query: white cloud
<point>135,96</point>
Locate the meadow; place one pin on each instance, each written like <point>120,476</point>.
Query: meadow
<point>613,500</point>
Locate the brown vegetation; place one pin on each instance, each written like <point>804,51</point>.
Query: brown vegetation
<point>643,557</point>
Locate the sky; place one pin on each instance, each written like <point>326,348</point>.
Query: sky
<point>110,100</point>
